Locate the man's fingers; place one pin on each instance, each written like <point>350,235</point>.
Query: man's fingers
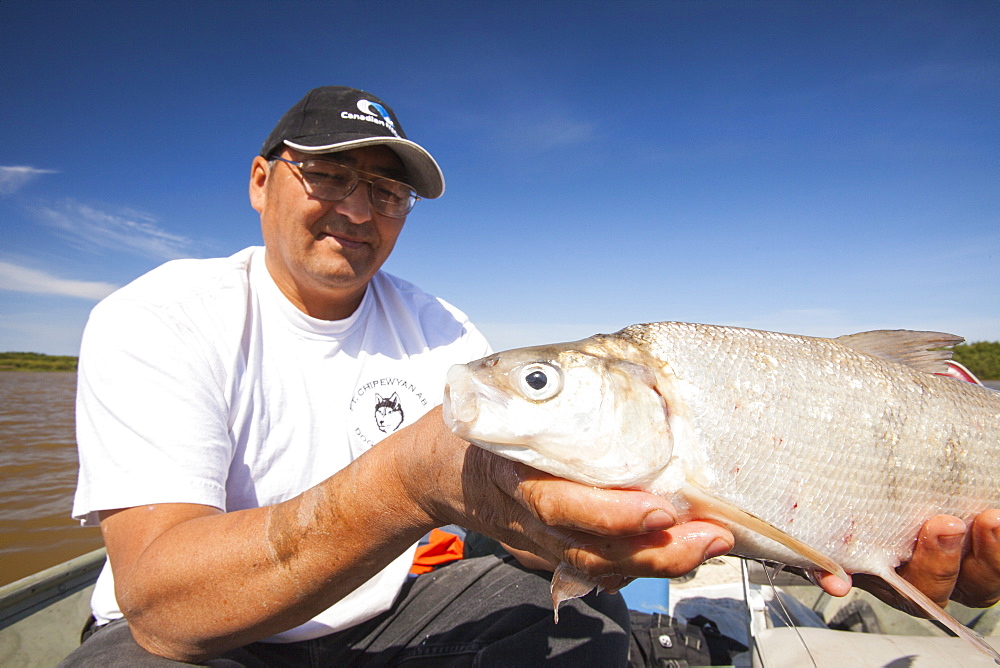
<point>593,510</point>
<point>830,583</point>
<point>561,503</point>
<point>937,558</point>
<point>979,582</point>
<point>660,554</point>
<point>598,531</point>
<point>615,532</point>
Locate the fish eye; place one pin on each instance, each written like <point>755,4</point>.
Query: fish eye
<point>539,382</point>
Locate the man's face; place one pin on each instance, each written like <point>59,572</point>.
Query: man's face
<point>323,254</point>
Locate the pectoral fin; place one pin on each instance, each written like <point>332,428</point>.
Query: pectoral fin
<point>710,507</point>
<point>567,583</point>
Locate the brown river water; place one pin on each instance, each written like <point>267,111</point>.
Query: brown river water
<point>38,474</point>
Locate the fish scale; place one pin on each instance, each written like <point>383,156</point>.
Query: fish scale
<point>812,451</point>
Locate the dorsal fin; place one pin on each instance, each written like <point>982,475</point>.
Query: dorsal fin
<point>920,350</point>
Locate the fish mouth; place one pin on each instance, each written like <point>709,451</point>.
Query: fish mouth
<point>465,397</point>
<point>461,406</point>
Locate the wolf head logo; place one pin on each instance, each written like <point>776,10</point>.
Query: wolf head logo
<point>388,413</point>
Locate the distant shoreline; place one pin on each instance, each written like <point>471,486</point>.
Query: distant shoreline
<point>16,361</point>
<point>36,362</point>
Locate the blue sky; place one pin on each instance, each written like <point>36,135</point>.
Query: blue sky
<point>810,167</point>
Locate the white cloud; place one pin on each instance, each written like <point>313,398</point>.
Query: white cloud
<point>546,127</point>
<point>23,279</point>
<point>89,228</point>
<point>14,177</point>
<point>554,133</point>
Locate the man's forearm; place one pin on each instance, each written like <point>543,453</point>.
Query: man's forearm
<point>203,581</point>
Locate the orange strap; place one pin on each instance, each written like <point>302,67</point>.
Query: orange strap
<point>442,548</point>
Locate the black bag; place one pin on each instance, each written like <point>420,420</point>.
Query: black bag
<point>721,647</point>
<point>662,642</point>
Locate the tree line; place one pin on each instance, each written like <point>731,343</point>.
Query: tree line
<point>981,358</point>
<point>36,362</point>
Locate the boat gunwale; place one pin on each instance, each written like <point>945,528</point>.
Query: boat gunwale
<point>24,597</point>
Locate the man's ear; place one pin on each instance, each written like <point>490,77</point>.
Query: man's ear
<point>259,171</point>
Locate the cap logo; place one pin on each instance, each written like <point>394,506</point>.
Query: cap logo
<point>370,111</point>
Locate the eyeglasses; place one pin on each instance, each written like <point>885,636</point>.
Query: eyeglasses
<point>333,182</point>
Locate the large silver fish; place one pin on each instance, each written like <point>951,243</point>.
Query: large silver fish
<point>814,452</point>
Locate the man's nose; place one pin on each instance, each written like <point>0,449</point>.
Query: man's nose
<point>357,206</point>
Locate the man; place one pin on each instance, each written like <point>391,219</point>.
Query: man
<point>227,412</point>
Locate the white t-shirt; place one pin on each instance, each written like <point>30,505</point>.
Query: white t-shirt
<point>200,382</point>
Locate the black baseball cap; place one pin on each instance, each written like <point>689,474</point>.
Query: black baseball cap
<point>337,118</point>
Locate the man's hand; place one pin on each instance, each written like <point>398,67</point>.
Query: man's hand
<point>613,532</point>
<point>949,562</point>
<point>978,583</point>
<point>598,531</point>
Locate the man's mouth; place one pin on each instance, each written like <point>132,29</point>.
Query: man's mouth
<point>344,242</point>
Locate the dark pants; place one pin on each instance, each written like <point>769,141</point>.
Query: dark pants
<point>476,612</point>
